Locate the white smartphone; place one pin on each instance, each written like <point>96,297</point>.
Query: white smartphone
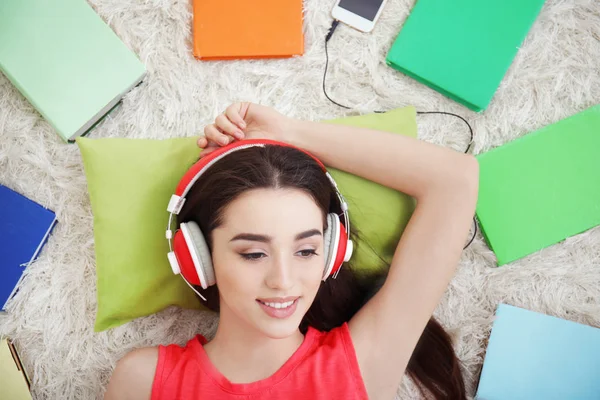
<point>359,14</point>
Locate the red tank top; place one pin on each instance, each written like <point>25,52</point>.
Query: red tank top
<point>323,367</point>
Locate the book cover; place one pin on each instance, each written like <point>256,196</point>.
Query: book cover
<point>233,29</point>
<point>24,229</point>
<point>541,188</point>
<point>66,61</point>
<point>13,378</point>
<point>462,48</point>
<point>536,356</point>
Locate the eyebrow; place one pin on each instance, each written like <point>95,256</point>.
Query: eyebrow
<point>307,234</point>
<point>254,237</point>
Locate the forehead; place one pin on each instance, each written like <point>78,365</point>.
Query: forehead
<point>269,210</point>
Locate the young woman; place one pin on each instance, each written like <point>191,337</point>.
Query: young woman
<point>284,332</point>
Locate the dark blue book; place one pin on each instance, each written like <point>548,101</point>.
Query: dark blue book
<point>24,229</point>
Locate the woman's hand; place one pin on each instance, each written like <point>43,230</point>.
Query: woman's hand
<point>244,121</point>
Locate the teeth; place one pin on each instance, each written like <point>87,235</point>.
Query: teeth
<point>279,305</point>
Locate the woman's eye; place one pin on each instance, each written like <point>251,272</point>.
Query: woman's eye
<point>307,253</point>
<point>252,256</point>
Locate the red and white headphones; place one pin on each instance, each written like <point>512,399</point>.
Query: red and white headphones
<point>189,254</point>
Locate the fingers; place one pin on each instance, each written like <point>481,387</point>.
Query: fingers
<point>207,146</point>
<point>226,126</point>
<point>207,151</point>
<point>215,135</point>
<point>233,114</point>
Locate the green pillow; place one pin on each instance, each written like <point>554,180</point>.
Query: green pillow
<point>130,182</point>
<point>379,213</point>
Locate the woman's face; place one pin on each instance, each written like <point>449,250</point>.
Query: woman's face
<point>268,258</point>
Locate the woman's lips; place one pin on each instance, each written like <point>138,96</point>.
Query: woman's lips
<point>279,309</point>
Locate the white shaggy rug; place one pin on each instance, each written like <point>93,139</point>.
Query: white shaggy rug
<point>556,74</point>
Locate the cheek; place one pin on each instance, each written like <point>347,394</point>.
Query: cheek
<point>233,278</point>
<point>236,287</point>
<point>313,277</point>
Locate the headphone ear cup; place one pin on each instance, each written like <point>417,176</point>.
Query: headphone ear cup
<point>331,238</point>
<point>200,253</point>
<point>184,263</point>
<point>340,254</point>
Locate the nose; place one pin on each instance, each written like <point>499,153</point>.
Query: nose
<point>279,276</point>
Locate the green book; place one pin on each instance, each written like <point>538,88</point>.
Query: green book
<point>541,188</point>
<point>462,48</point>
<point>66,61</point>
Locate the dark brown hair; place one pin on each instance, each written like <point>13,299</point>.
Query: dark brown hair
<point>433,365</point>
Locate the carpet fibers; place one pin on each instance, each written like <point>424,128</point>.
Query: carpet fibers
<point>555,74</point>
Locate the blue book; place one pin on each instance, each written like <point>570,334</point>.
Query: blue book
<point>535,356</point>
<point>24,229</point>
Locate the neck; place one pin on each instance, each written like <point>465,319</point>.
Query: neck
<point>239,351</point>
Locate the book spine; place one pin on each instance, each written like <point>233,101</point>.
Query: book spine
<point>35,255</point>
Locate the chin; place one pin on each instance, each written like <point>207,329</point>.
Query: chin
<point>280,332</point>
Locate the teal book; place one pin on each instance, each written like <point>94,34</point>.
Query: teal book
<point>541,188</point>
<point>462,48</point>
<point>66,61</point>
<point>532,356</point>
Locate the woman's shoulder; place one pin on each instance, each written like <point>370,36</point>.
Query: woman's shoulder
<point>136,358</point>
<point>133,375</point>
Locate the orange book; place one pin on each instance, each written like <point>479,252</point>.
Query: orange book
<point>229,29</point>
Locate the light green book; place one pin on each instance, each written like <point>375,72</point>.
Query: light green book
<point>541,188</point>
<point>66,61</point>
<point>462,48</point>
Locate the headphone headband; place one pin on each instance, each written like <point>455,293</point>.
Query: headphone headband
<point>200,167</point>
